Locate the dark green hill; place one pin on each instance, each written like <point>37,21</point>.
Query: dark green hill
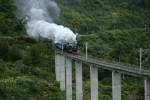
<point>26,68</point>
<point>121,27</point>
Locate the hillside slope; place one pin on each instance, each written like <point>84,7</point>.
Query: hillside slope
<point>121,27</point>
<point>26,67</point>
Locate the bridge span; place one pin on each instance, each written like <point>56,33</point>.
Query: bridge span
<point>63,68</point>
<point>111,65</point>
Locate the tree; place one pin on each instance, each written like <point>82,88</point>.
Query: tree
<point>33,56</point>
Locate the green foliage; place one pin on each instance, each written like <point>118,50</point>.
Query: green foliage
<point>33,56</point>
<point>121,27</point>
<point>77,21</point>
<point>9,24</point>
<point>26,69</point>
<point>24,88</point>
<point>8,53</point>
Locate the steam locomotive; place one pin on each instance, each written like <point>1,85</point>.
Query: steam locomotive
<point>67,47</point>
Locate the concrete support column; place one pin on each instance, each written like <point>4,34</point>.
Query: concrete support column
<point>147,89</point>
<point>62,73</point>
<point>57,65</point>
<point>79,90</point>
<point>94,82</point>
<point>116,86</point>
<point>68,79</point>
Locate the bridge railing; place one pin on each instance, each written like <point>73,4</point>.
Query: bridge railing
<point>114,65</point>
<point>83,50</point>
<point>121,64</point>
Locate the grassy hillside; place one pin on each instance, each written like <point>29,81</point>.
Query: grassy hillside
<point>120,28</point>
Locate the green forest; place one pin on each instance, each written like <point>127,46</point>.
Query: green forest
<point>119,29</point>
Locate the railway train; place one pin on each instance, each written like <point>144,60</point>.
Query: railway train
<point>67,47</point>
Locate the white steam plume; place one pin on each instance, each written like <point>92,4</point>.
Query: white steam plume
<point>39,16</point>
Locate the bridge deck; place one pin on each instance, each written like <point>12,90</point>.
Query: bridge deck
<point>113,66</point>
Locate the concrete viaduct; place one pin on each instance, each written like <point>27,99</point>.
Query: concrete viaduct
<point>63,68</point>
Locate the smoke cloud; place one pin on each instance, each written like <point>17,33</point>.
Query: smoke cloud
<point>39,17</point>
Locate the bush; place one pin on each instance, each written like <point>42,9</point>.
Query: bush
<point>8,53</point>
<point>33,56</point>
